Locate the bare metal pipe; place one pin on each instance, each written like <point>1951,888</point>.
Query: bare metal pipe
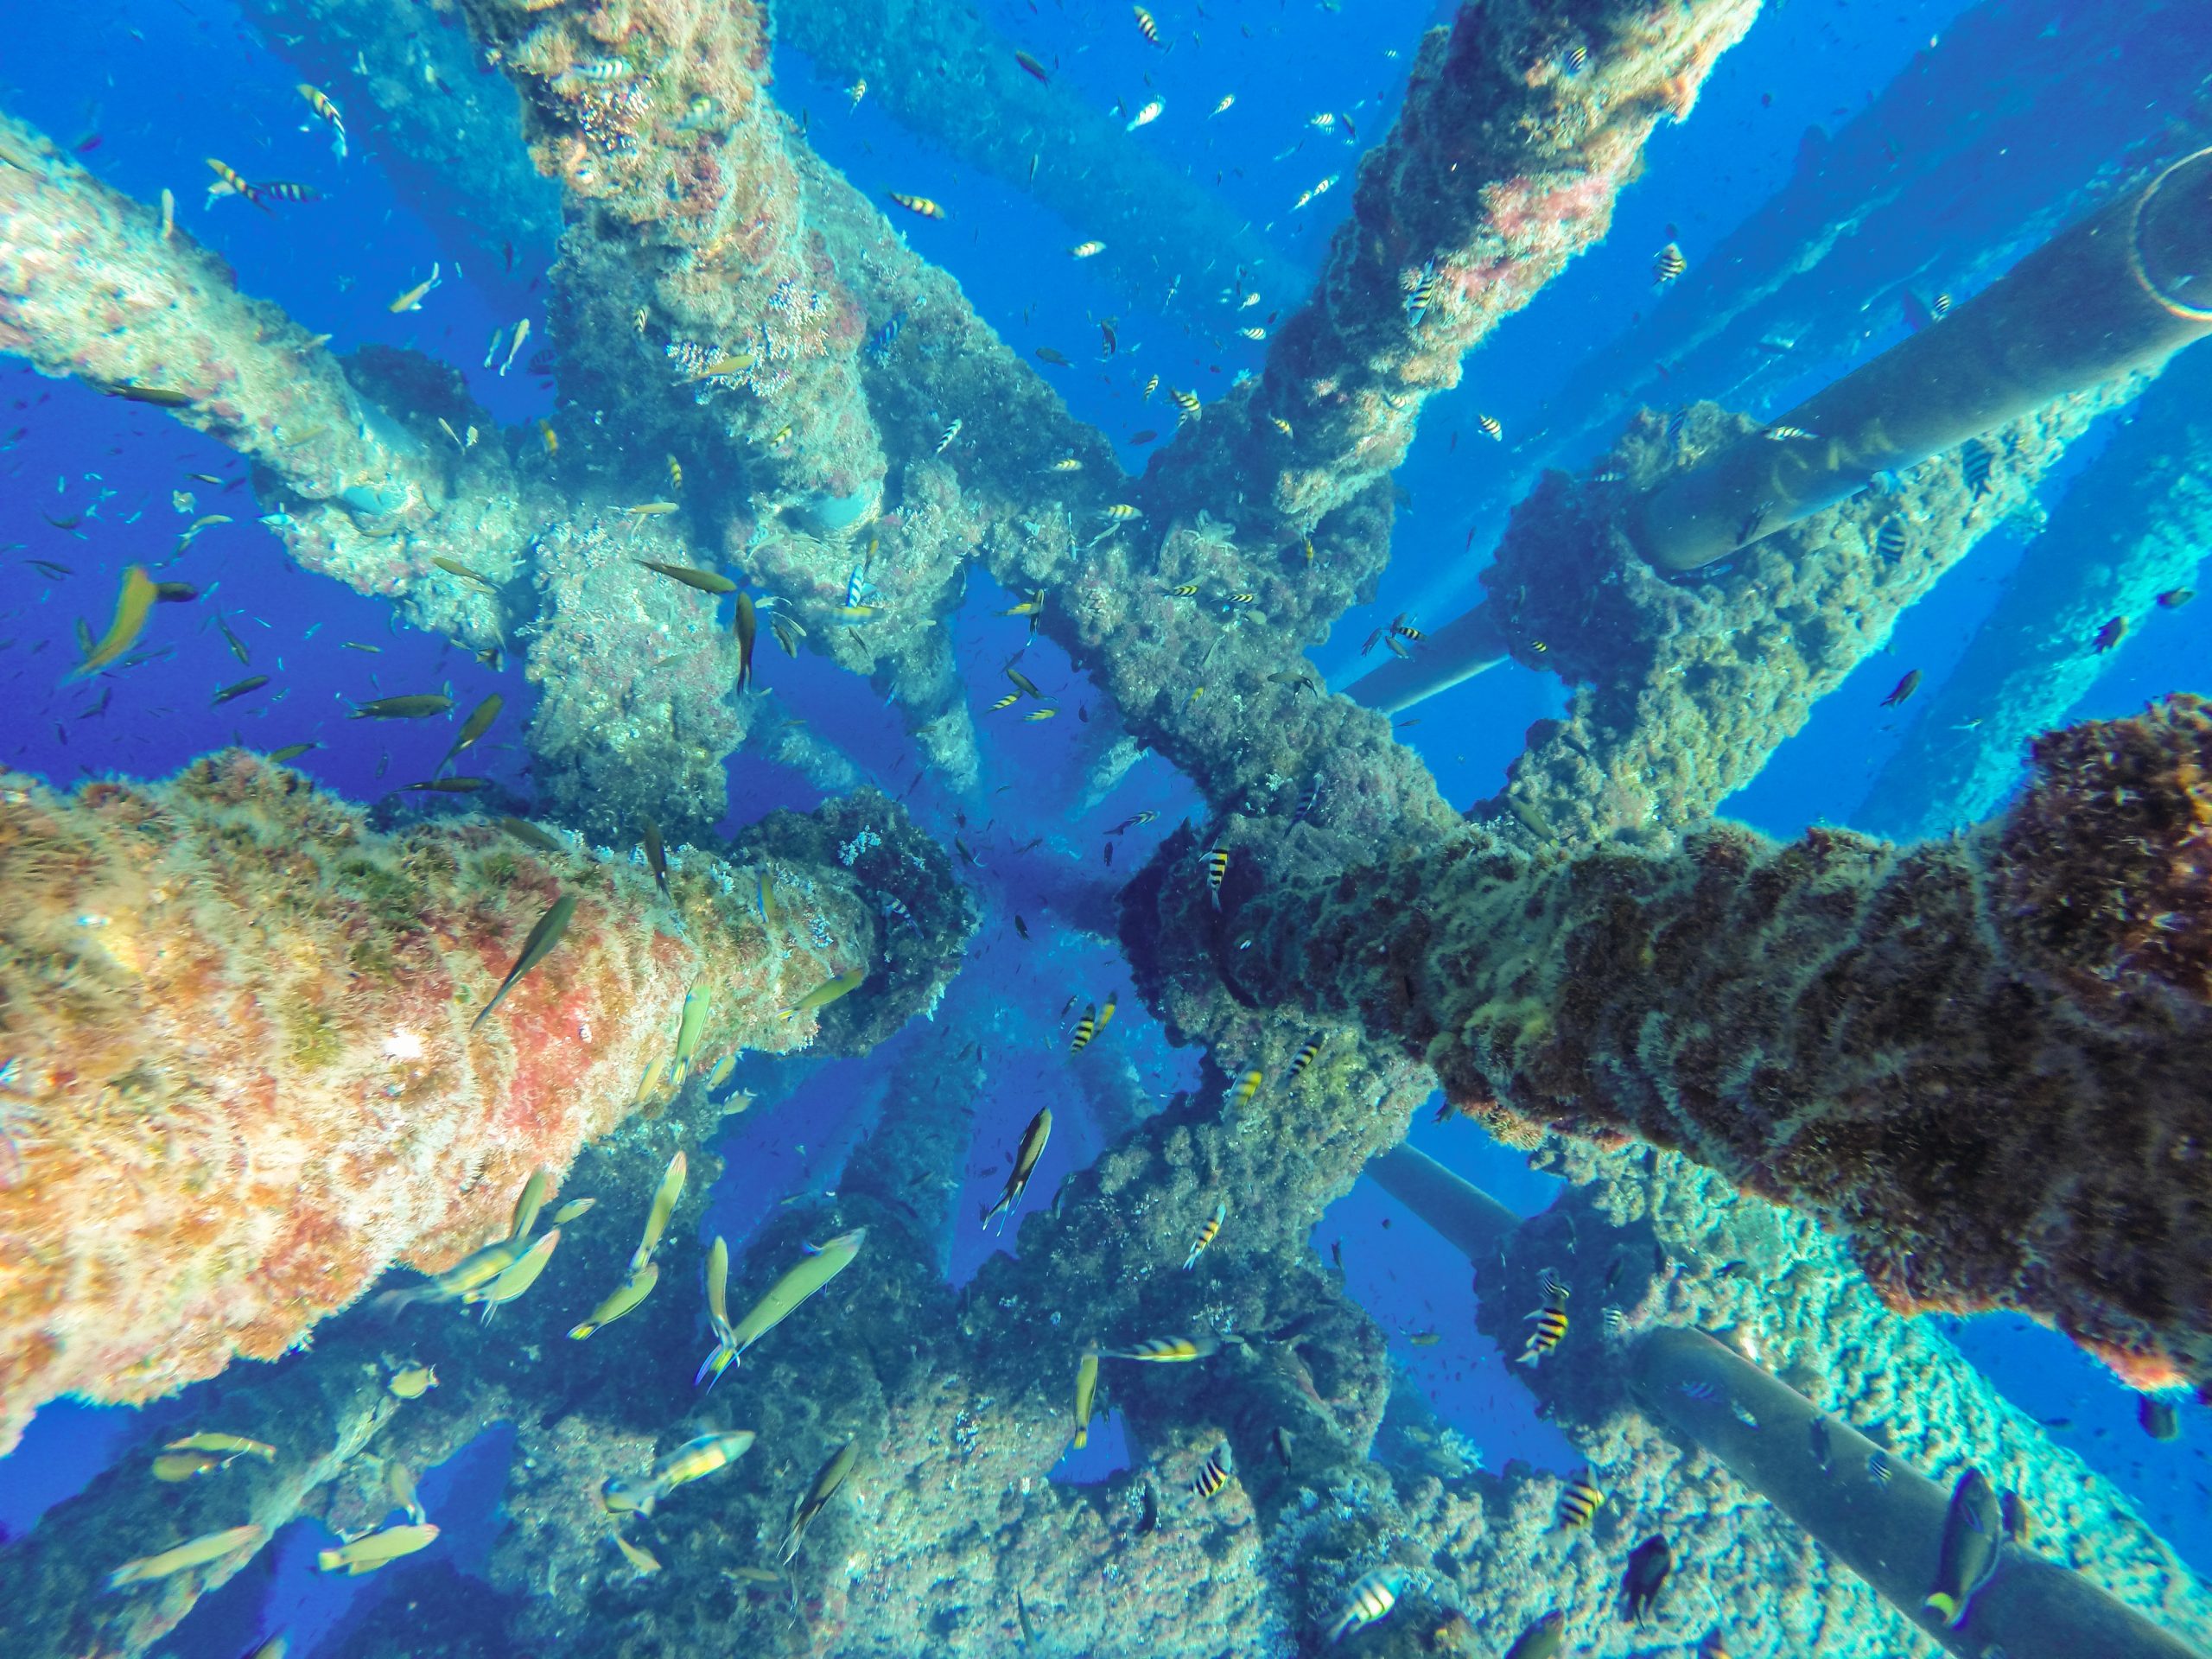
<point>2122,290</point>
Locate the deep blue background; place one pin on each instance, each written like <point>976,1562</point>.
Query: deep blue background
<point>188,80</point>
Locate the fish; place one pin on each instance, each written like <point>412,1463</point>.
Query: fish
<point>1976,459</point>
<point>1228,102</point>
<point>238,689</point>
<point>1187,403</point>
<point>228,183</point>
<point>1649,1564</point>
<point>412,299</point>
<point>531,836</point>
<point>919,204</point>
<point>1420,293</point>
<point>1973,1532</point>
<point>746,624</point>
<point>480,720</point>
<point>856,91</point>
<point>1369,1599</point>
<point>1579,1503</point>
<point>624,1298</point>
<point>413,1382</point>
<point>1903,689</point>
<point>476,1269</point>
<point>1026,1155</point>
<point>450,786</point>
<point>693,1460</point>
<point>2110,635</point>
<point>642,1560</point>
<point>665,1198</point>
<point>1030,66</point>
<point>197,1552</point>
<point>2157,1417</point>
<point>1492,428</point>
<point>1006,701</point>
<point>455,567</point>
<point>1940,307</point>
<point>291,752</point>
<point>1890,541</point>
<point>1150,386</point>
<point>690,1025</point>
<point>1106,1010</point>
<point>1213,1475</point>
<point>160,397</point>
<point>1029,606</point>
<point>543,936</point>
<point>518,1276</point>
<point>1308,799</point>
<point>1086,1391</point>
<point>1148,113</point>
<point>943,443</point>
<point>1133,821</point>
<point>1085,1029</point>
<point>1065,464</point>
<point>1877,1467</point>
<point>826,993</point>
<point>1057,360</point>
<point>1545,1639</point>
<point>134,603</point>
<point>1207,1234</point>
<point>290,190</point>
<point>2174,598</point>
<point>654,510</point>
<point>807,1276</point>
<point>1790,433</point>
<point>1551,1326</point>
<point>726,366</point>
<point>1304,1058</point>
<point>1036,714</point>
<point>1549,1286</point>
<point>2014,1516</point>
<point>320,102</point>
<point>422,706</point>
<point>1086,249</point>
<point>1216,868</point>
<point>1248,1086</point>
<point>827,1479</point>
<point>1166,1350</point>
<point>550,439</point>
<point>569,1212</point>
<point>187,1465</point>
<point>1145,26</point>
<point>656,853</point>
<point>1667,265</point>
<point>228,1446</point>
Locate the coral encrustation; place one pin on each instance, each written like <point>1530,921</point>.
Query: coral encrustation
<point>1982,1059</point>
<point>238,1076</point>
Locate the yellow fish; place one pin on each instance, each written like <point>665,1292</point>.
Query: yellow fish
<point>1086,1391</point>
<point>569,1212</point>
<point>665,1202</point>
<point>198,1552</point>
<point>519,1276</point>
<point>799,1282</point>
<point>233,1445</point>
<point>414,1382</point>
<point>631,1291</point>
<point>133,607</point>
<point>412,299</point>
<point>1168,1351</point>
<point>921,205</point>
<point>378,1548</point>
<point>693,1460</point>
<point>827,1480</point>
<point>826,993</point>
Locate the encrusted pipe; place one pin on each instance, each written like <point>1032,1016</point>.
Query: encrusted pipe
<point>2122,290</point>
<point>246,1072</point>
<point>1819,1471</point>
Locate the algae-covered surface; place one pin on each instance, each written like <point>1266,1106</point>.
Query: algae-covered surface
<point>694,959</point>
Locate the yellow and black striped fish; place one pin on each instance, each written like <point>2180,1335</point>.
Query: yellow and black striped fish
<point>1207,1234</point>
<point>1187,402</point>
<point>1890,541</point>
<point>1493,429</point>
<point>1667,265</point>
<point>1215,1475</point>
<point>287,190</point>
<point>1551,1326</point>
<point>1581,1501</point>
<point>921,205</point>
<point>1007,701</point>
<point>1121,512</point>
<point>1146,27</point>
<point>1306,1058</point>
<point>1281,426</point>
<point>1185,590</point>
<point>1940,307</point>
<point>1555,1290</point>
<point>1150,386</point>
<point>1216,867</point>
<point>1248,1085</point>
<point>1085,1029</point>
<point>1166,1350</point>
<point>233,181</point>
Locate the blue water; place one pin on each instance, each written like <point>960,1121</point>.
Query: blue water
<point>146,89</point>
